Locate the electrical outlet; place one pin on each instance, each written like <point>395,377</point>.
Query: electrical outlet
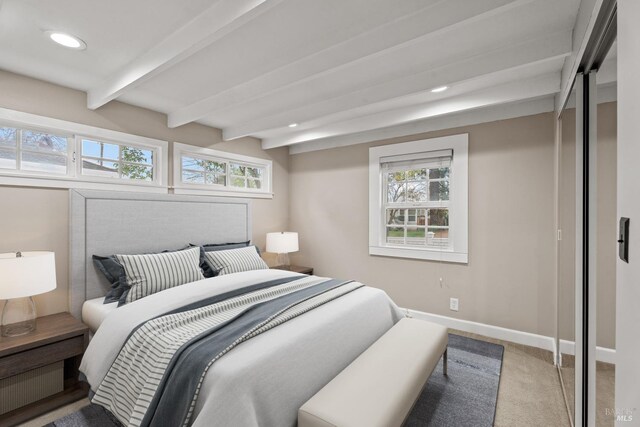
<point>453,304</point>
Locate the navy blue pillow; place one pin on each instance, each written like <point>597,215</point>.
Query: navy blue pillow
<point>114,272</point>
<point>206,269</point>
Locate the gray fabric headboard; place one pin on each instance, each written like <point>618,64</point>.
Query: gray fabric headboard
<point>107,223</point>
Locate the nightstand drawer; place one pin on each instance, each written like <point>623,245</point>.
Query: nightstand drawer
<point>40,356</point>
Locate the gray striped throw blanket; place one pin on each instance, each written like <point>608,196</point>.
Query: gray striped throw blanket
<point>156,378</point>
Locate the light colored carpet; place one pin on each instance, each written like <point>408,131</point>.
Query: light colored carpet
<point>529,394</point>
<point>605,389</point>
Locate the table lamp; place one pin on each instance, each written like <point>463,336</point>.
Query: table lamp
<point>282,243</point>
<point>22,275</point>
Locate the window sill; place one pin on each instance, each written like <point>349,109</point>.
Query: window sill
<point>64,182</point>
<point>423,254</point>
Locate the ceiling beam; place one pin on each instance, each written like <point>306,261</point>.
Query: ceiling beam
<point>214,23</point>
<point>510,92</point>
<point>511,58</point>
<point>415,28</point>
<point>465,118</point>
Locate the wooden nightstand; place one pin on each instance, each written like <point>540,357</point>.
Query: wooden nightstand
<point>296,269</point>
<point>57,338</point>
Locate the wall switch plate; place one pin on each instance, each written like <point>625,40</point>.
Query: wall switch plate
<point>453,304</point>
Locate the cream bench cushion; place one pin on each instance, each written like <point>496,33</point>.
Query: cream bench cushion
<point>380,387</point>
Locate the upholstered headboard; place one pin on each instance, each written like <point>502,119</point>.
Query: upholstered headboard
<point>107,223</point>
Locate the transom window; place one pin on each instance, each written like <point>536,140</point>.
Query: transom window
<point>418,199</point>
<point>46,152</point>
<point>33,151</point>
<point>246,176</point>
<point>205,171</point>
<point>112,160</point>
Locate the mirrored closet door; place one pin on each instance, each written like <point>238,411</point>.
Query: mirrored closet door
<point>586,219</point>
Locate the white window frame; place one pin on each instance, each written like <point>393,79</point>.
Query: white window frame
<point>75,132</point>
<point>179,187</point>
<point>457,251</point>
<point>154,148</point>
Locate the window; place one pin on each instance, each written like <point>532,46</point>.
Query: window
<point>204,171</point>
<point>33,151</point>
<point>111,160</point>
<point>418,199</point>
<point>40,151</point>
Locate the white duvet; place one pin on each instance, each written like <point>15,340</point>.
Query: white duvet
<point>265,380</point>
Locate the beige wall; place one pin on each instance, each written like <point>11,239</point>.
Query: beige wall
<point>607,227</point>
<point>37,218</point>
<point>509,280</point>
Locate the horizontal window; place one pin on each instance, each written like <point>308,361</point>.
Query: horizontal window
<point>205,171</point>
<point>40,151</point>
<point>111,160</point>
<point>33,151</point>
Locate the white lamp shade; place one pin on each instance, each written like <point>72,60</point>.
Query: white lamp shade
<point>31,274</point>
<point>282,242</point>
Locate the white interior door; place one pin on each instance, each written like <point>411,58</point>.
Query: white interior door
<point>627,397</point>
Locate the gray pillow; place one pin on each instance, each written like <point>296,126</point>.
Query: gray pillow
<point>151,273</point>
<point>206,269</point>
<point>115,274</point>
<point>113,271</point>
<point>235,260</point>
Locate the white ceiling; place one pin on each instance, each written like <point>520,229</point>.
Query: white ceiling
<point>339,68</point>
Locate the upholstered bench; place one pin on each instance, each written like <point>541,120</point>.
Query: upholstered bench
<point>380,387</point>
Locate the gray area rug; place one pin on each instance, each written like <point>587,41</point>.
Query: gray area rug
<point>466,397</point>
<point>89,416</point>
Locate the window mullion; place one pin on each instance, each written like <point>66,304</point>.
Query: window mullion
<point>71,155</point>
<point>405,214</point>
<point>155,161</point>
<point>18,149</point>
<point>78,161</point>
<point>120,161</point>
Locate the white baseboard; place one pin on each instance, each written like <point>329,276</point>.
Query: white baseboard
<point>603,354</point>
<point>519,337</point>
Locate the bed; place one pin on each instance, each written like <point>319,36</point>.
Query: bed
<point>262,381</point>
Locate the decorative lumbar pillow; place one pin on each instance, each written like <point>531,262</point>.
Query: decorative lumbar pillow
<point>235,260</point>
<point>151,273</point>
<point>214,247</point>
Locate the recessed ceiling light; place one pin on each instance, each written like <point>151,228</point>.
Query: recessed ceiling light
<point>292,125</point>
<point>66,40</point>
<point>439,89</point>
